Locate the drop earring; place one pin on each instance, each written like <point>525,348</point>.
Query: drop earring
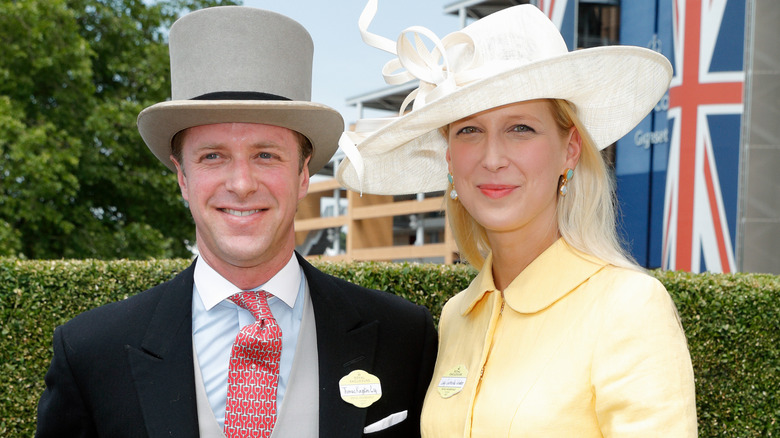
<point>563,181</point>
<point>453,192</point>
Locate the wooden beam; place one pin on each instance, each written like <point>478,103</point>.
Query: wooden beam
<point>320,223</point>
<point>370,233</point>
<point>336,258</point>
<point>400,252</point>
<point>400,208</point>
<point>324,186</point>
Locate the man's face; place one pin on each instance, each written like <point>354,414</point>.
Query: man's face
<point>243,186</point>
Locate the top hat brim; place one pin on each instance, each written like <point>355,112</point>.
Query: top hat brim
<point>319,123</point>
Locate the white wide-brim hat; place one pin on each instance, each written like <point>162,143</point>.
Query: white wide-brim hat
<point>514,55</point>
<point>234,64</point>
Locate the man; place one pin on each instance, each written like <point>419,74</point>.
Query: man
<point>201,355</point>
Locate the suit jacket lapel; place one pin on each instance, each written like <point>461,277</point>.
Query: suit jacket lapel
<point>345,343</point>
<point>162,365</point>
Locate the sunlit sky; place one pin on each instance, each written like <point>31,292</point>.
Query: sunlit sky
<point>344,66</point>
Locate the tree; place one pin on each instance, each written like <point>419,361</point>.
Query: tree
<point>76,179</point>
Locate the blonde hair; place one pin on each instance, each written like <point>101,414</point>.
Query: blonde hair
<point>585,216</point>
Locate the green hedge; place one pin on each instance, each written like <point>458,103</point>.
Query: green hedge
<point>731,322</point>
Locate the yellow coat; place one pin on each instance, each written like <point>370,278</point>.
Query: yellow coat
<point>576,348</point>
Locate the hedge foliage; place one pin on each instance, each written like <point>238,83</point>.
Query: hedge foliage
<point>731,322</point>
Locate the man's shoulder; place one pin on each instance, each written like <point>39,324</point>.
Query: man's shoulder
<point>133,306</point>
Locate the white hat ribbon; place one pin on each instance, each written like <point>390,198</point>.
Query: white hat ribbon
<point>420,63</point>
<point>414,61</point>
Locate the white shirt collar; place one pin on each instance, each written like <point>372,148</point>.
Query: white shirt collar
<point>213,288</point>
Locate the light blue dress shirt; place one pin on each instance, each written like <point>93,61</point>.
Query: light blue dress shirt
<point>216,321</point>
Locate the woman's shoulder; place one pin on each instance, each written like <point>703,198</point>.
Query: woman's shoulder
<point>621,276</point>
<point>626,288</point>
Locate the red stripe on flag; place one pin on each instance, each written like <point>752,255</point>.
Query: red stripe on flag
<point>715,211</point>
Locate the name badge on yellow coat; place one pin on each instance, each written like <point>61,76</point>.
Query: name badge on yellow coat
<point>453,381</point>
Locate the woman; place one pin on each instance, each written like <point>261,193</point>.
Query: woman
<point>561,334</point>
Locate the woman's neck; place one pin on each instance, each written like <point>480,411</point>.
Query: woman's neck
<point>513,251</point>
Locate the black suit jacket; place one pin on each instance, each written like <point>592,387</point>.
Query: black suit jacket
<point>126,369</point>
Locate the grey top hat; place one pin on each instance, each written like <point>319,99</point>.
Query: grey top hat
<point>240,64</point>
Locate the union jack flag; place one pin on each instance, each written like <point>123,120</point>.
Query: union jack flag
<point>705,108</point>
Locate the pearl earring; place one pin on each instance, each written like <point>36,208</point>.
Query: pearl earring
<point>453,192</point>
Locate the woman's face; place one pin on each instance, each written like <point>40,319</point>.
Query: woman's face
<point>506,162</point>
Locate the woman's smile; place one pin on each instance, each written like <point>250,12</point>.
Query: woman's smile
<point>496,191</point>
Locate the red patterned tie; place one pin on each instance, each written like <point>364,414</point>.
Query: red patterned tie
<point>254,371</point>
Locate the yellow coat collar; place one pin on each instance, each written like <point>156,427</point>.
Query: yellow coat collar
<point>551,276</point>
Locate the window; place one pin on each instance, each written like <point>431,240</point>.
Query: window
<point>598,23</point>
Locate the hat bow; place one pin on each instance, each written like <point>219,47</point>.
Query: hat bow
<point>435,69</point>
